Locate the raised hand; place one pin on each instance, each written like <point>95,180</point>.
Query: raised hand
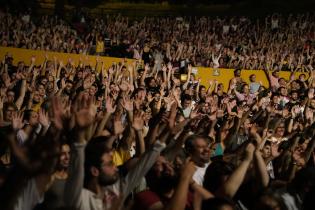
<point>33,60</point>
<point>127,104</point>
<point>309,115</point>
<point>253,130</point>
<point>189,67</point>
<point>58,113</point>
<point>63,83</point>
<point>188,169</point>
<point>164,68</point>
<point>131,87</point>
<point>169,66</point>
<point>85,112</point>
<point>111,70</point>
<point>61,63</point>
<point>169,101</point>
<point>114,94</point>
<point>311,93</point>
<point>17,120</point>
<point>138,121</point>
<point>220,112</point>
<point>110,108</point>
<point>43,118</point>
<point>3,91</point>
<point>249,151</point>
<point>7,81</point>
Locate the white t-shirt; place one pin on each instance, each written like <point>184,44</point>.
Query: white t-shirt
<point>199,174</point>
<point>187,112</point>
<point>29,198</point>
<point>21,137</point>
<point>26,18</point>
<point>218,46</point>
<point>270,170</point>
<point>290,201</point>
<point>274,23</point>
<point>226,29</point>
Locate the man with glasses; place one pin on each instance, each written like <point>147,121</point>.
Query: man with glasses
<point>103,185</point>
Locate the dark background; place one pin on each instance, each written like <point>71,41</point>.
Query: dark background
<point>174,7</point>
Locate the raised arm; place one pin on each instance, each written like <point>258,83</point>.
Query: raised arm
<point>137,125</point>
<point>235,180</point>
<point>84,117</point>
<point>146,69</point>
<point>142,167</point>
<point>188,77</point>
<point>110,108</point>
<point>268,76</point>
<point>37,172</point>
<point>260,164</point>
<point>181,192</point>
<point>309,150</point>
<point>20,100</point>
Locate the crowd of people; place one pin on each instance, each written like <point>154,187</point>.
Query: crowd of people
<point>133,136</point>
<point>86,137</point>
<point>284,42</point>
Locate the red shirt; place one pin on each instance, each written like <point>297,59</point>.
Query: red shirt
<point>145,199</point>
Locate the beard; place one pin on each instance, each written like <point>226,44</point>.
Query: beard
<point>68,92</point>
<point>105,180</point>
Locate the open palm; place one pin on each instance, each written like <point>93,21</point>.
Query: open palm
<point>85,113</point>
<point>17,121</point>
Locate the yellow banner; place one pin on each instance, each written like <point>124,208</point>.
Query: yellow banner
<point>225,75</point>
<point>206,74</point>
<point>26,55</point>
